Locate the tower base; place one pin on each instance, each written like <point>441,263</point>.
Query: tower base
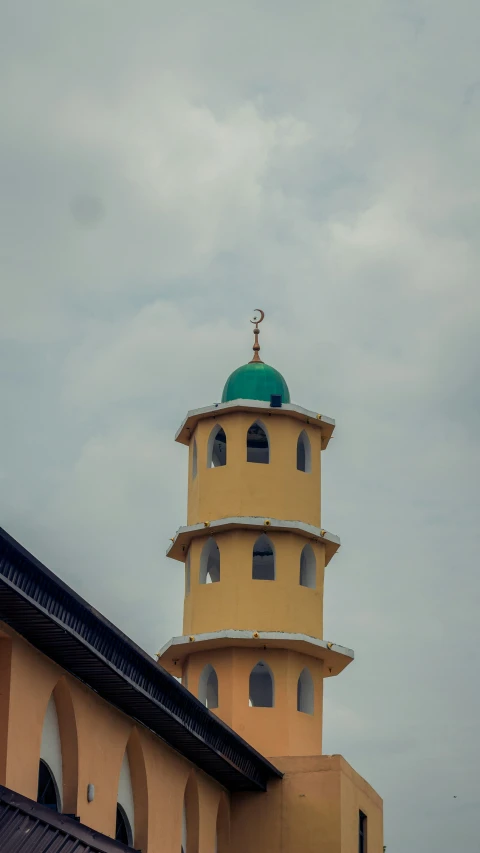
<point>320,806</point>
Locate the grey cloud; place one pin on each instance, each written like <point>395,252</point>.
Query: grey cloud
<point>163,174</point>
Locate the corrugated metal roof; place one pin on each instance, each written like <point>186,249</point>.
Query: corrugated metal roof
<point>58,622</point>
<point>28,827</point>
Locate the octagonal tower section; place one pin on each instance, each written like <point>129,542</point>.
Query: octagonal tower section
<point>254,555</point>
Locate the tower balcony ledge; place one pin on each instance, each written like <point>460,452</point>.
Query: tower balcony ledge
<point>174,653</point>
<point>184,535</point>
<point>322,422</point>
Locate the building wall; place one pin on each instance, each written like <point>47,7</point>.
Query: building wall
<point>94,738</point>
<point>281,730</point>
<point>239,601</point>
<point>276,490</point>
<point>314,809</point>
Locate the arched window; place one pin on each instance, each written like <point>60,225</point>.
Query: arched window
<point>308,567</point>
<point>217,448</point>
<point>210,562</point>
<point>187,575</point>
<point>47,791</point>
<point>263,561</point>
<point>194,459</point>
<point>304,453</point>
<point>257,444</point>
<point>123,831</point>
<point>305,700</point>
<point>261,689</point>
<point>208,687</point>
<point>125,806</point>
<point>51,759</point>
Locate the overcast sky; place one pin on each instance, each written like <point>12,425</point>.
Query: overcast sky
<point>165,169</point>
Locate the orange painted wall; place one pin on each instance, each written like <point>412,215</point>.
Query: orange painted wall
<point>314,809</point>
<point>240,602</point>
<point>281,730</point>
<point>94,738</point>
<point>276,490</point>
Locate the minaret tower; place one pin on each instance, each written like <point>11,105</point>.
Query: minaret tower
<point>255,552</point>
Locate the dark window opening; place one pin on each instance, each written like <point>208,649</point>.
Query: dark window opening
<point>210,563</point>
<point>47,793</point>
<point>362,832</point>
<point>217,448</point>
<point>308,568</point>
<point>263,562</point>
<point>123,831</point>
<point>261,692</point>
<point>257,445</point>
<point>304,453</point>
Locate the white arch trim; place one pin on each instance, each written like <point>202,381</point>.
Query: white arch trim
<point>125,793</point>
<point>51,747</point>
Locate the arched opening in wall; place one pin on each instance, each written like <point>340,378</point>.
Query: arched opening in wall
<point>222,837</point>
<point>304,453</point>
<point>125,804</point>
<point>139,789</point>
<point>123,830</point>
<point>261,686</point>
<point>50,774</point>
<point>67,750</point>
<point>305,692</point>
<point>47,791</point>
<point>194,459</point>
<point>258,449</point>
<point>210,562</point>
<point>217,448</point>
<point>190,816</point>
<point>308,567</point>
<point>208,687</point>
<point>263,560</point>
<point>187,575</point>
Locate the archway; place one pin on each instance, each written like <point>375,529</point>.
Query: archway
<point>263,559</point>
<point>305,692</point>
<point>304,453</point>
<point>258,448</point>
<point>217,448</point>
<point>210,562</point>
<point>308,567</point>
<point>208,687</point>
<point>261,686</point>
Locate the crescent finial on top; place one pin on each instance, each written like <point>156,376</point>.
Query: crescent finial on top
<point>256,332</point>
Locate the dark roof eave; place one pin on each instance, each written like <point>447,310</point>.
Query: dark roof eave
<point>57,621</point>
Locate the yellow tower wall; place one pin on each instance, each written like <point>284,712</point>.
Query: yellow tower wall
<point>241,488</point>
<point>281,730</point>
<point>238,601</point>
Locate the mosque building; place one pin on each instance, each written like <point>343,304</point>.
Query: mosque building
<point>216,747</point>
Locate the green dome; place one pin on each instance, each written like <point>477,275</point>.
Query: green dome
<point>255,381</point>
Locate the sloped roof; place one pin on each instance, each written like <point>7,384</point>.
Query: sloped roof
<point>28,827</point>
<point>58,622</point>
